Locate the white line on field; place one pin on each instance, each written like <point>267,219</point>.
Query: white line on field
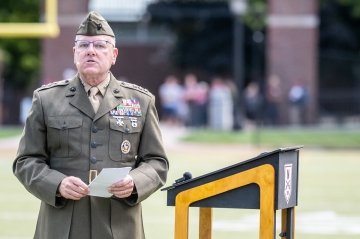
<point>324,222</point>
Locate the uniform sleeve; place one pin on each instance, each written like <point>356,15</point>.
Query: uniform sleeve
<point>31,162</point>
<point>152,167</point>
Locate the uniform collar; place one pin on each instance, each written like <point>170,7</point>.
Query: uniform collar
<point>112,98</point>
<point>102,86</point>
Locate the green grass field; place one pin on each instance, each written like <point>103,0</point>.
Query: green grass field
<point>6,132</point>
<point>328,207</point>
<point>311,137</point>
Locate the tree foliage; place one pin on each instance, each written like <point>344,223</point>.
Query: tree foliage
<point>256,14</point>
<point>257,9</point>
<point>21,57</point>
<point>355,6</point>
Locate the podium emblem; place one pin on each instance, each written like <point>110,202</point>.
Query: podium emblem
<point>288,181</point>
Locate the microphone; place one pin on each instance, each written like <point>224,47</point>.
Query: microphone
<point>186,176</point>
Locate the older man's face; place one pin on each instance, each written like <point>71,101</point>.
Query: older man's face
<point>94,55</point>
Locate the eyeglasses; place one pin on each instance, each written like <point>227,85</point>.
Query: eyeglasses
<point>100,45</point>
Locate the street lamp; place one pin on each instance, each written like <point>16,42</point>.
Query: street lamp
<point>238,8</point>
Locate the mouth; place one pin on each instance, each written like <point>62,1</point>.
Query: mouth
<point>90,61</point>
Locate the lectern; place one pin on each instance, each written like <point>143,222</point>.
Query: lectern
<point>268,182</point>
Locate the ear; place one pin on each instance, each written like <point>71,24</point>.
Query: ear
<point>74,55</point>
<point>115,54</point>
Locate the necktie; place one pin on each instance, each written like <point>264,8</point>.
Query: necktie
<point>94,100</point>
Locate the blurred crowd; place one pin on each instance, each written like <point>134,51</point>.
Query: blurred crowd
<point>220,106</point>
<point>198,103</point>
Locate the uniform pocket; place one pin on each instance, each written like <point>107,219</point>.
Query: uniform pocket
<point>124,138</point>
<point>64,136</point>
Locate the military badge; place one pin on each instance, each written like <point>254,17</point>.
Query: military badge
<point>125,147</point>
<point>134,123</point>
<point>119,120</point>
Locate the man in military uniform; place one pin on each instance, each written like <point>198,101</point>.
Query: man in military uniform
<point>76,128</point>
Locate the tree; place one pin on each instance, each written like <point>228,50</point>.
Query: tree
<point>21,56</point>
<point>355,6</point>
<point>20,59</point>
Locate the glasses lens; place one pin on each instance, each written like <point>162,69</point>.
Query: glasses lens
<point>99,45</point>
<point>82,45</point>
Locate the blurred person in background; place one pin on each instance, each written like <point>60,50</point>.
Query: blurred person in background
<point>298,98</point>
<point>221,105</point>
<point>252,101</point>
<point>273,96</point>
<point>196,97</point>
<point>76,128</point>
<point>237,106</point>
<point>171,95</point>
<point>202,104</point>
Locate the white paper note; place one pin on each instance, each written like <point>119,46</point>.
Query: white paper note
<point>99,186</point>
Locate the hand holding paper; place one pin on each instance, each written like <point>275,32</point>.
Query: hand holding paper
<point>99,187</point>
<point>123,188</point>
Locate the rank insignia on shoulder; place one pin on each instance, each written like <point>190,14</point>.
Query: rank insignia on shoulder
<point>53,84</point>
<point>128,107</point>
<point>135,87</point>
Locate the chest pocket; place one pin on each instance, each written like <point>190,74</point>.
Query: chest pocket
<point>124,138</point>
<point>64,136</point>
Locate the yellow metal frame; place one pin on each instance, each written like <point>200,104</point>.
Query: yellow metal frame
<point>263,175</point>
<point>287,224</point>
<point>49,28</point>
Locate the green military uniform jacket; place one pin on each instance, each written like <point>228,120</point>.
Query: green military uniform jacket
<point>64,137</point>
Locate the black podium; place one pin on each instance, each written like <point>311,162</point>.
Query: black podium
<point>268,182</point>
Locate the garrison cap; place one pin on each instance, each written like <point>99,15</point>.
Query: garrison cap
<point>94,24</point>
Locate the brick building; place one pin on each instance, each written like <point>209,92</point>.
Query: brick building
<point>292,48</point>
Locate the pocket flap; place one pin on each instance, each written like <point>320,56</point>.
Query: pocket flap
<point>64,122</point>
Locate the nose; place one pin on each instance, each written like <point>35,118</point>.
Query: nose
<point>90,50</point>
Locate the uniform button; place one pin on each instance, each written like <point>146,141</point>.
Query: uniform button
<point>94,129</point>
<point>127,130</point>
<point>73,89</point>
<point>93,160</point>
<point>93,145</point>
<point>116,91</point>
